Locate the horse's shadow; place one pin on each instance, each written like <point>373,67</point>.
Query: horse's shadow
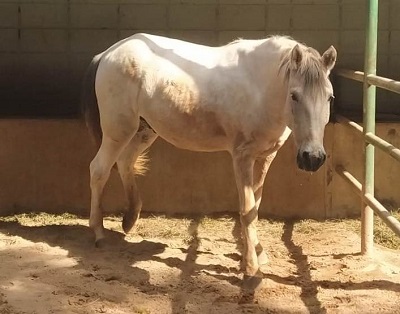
<point>78,240</point>
<point>99,263</point>
<point>308,285</point>
<point>93,262</point>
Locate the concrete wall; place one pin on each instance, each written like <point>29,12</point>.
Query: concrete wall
<point>44,167</point>
<point>45,45</point>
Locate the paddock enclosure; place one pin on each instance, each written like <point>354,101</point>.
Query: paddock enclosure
<point>191,265</point>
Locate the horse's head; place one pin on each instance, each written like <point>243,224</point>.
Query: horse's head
<point>309,96</point>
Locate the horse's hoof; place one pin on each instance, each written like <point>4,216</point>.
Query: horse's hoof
<point>252,283</point>
<point>247,297</point>
<point>262,258</point>
<point>100,243</point>
<point>129,221</point>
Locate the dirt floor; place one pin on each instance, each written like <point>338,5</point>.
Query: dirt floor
<point>48,264</point>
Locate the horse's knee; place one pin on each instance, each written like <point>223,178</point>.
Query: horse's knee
<point>98,174</point>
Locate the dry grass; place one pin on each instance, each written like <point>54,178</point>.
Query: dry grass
<point>162,227</point>
<point>383,235</point>
<point>159,226</point>
<point>41,219</point>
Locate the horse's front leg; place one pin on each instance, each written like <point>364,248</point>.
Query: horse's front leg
<point>261,167</point>
<point>243,167</point>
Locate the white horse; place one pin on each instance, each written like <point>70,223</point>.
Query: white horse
<point>244,98</point>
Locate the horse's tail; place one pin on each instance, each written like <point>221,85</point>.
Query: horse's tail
<point>141,164</point>
<point>89,107</point>
<point>90,112</point>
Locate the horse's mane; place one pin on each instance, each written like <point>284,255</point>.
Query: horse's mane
<point>310,67</point>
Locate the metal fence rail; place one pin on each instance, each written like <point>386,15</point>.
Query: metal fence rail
<point>378,208</point>
<point>372,138</point>
<point>378,81</point>
<point>370,81</point>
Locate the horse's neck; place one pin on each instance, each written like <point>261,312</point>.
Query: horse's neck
<point>271,81</point>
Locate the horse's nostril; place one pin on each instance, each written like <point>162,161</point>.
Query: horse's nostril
<point>310,160</point>
<point>306,155</point>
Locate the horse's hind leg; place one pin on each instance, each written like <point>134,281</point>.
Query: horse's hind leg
<point>99,173</point>
<point>126,161</point>
<point>119,124</point>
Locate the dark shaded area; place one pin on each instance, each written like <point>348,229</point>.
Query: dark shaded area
<point>124,253</point>
<point>349,101</point>
<point>309,288</point>
<point>39,108</point>
<point>188,267</point>
<point>51,89</point>
<point>41,87</point>
<point>41,100</point>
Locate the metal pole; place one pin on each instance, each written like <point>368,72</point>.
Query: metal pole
<point>378,208</point>
<point>369,98</point>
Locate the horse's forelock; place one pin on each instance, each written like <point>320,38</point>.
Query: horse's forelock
<point>310,67</point>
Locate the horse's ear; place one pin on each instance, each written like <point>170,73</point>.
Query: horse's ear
<point>296,56</point>
<point>329,58</point>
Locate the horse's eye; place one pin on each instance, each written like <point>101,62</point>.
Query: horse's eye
<point>294,97</point>
<point>331,99</point>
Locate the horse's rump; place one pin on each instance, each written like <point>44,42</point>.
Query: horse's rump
<point>90,113</point>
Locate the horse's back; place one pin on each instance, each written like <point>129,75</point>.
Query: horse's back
<point>152,50</point>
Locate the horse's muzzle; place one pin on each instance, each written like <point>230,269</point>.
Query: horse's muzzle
<point>310,161</point>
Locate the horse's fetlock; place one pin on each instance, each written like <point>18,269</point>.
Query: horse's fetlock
<point>251,270</point>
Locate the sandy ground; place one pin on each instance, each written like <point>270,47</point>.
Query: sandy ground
<point>190,266</point>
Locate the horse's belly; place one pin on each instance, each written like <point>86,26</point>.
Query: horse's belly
<point>199,132</point>
<point>196,143</point>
